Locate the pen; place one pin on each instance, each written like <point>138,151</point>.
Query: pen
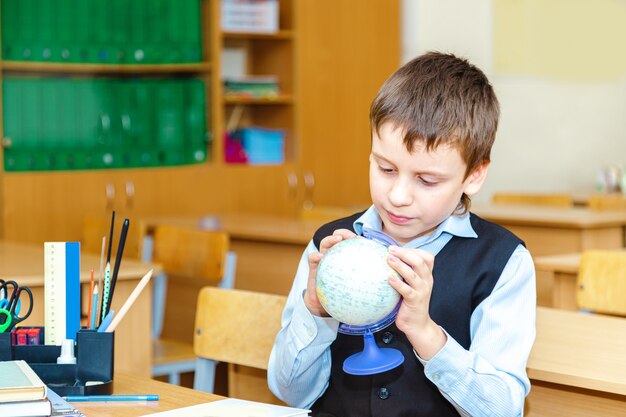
<point>118,259</point>
<point>111,398</point>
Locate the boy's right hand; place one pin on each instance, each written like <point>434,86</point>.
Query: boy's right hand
<point>310,296</point>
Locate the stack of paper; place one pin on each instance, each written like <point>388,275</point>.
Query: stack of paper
<point>22,392</point>
<point>233,407</point>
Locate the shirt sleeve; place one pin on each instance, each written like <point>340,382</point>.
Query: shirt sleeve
<point>299,365</point>
<point>490,378</point>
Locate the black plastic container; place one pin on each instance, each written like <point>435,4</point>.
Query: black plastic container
<point>94,363</point>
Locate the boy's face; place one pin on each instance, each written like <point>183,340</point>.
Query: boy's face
<point>415,191</point>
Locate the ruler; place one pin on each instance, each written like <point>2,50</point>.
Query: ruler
<point>61,291</point>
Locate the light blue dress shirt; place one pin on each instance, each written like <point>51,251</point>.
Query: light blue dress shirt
<point>487,380</point>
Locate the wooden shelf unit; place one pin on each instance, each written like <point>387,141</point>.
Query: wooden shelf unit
<point>330,61</point>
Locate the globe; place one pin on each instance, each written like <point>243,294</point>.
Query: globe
<point>352,282</point>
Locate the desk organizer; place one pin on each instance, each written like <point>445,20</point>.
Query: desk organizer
<point>94,362</point>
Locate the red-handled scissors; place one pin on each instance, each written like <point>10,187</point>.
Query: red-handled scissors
<point>10,306</point>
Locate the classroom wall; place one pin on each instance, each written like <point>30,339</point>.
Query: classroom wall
<point>559,70</point>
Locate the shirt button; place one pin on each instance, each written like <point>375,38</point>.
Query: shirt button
<point>383,393</point>
<point>387,337</point>
<point>436,377</point>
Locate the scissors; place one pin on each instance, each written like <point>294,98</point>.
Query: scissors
<point>10,305</point>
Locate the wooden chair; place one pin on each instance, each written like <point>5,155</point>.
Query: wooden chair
<point>602,282</point>
<point>536,199</point>
<point>602,202</point>
<point>237,327</point>
<point>191,259</point>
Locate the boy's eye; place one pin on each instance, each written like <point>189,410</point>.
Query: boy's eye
<point>426,182</point>
<point>386,170</point>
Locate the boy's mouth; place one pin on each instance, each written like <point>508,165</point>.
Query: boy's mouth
<point>397,219</point>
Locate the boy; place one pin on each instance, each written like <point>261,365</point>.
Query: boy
<point>467,320</point>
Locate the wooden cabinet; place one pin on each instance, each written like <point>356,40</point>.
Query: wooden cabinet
<point>330,56</point>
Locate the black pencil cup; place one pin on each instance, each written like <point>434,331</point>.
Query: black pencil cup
<point>92,373</point>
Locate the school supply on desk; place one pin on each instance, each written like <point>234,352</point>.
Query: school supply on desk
<point>105,293</point>
<point>60,407</point>
<point>11,312</point>
<point>112,398</point>
<point>233,407</point>
<point>61,291</point>
<point>104,324</point>
<point>129,301</point>
<point>118,260</point>
<point>93,362</point>
<point>39,408</point>
<point>93,316</point>
<point>20,383</point>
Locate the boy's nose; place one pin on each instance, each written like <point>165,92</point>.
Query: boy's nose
<point>400,193</point>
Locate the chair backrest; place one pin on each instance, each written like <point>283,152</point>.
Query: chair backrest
<point>237,326</point>
<point>601,202</point>
<point>602,282</point>
<point>191,259</point>
<point>95,227</point>
<point>191,253</point>
<point>536,199</point>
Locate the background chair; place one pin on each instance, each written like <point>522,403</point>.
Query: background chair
<point>602,282</point>
<point>237,327</point>
<point>537,199</point>
<point>191,259</point>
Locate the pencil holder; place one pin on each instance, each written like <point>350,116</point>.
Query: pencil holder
<point>91,374</point>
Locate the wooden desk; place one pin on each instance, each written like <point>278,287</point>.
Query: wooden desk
<point>170,397</point>
<point>553,230</point>
<point>24,263</point>
<point>577,366</point>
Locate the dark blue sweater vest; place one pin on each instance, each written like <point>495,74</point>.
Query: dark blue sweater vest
<point>465,273</point>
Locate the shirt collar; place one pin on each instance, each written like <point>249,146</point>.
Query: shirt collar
<point>369,224</point>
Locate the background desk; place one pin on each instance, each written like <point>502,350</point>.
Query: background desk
<point>577,366</point>
<point>557,280</point>
<point>133,340</point>
<point>553,230</point>
<point>268,248</point>
<point>170,397</point>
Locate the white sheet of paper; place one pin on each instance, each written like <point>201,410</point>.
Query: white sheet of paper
<point>232,407</point>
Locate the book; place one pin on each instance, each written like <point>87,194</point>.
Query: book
<point>20,383</point>
<point>38,408</point>
<point>233,407</point>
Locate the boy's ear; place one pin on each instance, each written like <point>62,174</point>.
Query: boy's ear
<point>475,179</point>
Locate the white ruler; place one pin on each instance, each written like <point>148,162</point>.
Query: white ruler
<point>54,292</point>
<point>61,291</point>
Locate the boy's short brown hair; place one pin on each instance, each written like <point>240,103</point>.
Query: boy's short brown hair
<point>439,99</point>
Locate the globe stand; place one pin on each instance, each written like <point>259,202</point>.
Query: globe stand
<point>372,359</point>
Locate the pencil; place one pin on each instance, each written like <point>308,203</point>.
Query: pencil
<point>94,307</point>
<point>129,301</point>
<point>105,293</point>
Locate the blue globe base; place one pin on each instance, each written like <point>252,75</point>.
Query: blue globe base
<point>372,360</point>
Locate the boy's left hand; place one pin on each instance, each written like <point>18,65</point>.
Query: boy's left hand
<point>416,266</point>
